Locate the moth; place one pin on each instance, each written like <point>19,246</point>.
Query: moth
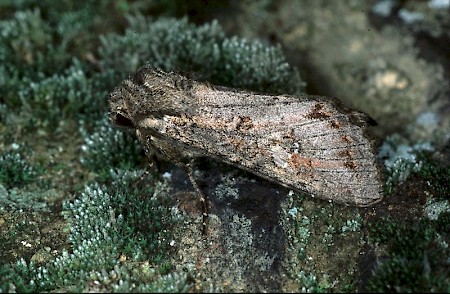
<point>306,143</point>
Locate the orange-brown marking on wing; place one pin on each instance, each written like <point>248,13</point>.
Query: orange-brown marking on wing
<point>297,161</point>
<point>318,113</point>
<point>347,139</point>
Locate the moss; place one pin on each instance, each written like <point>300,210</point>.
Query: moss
<point>14,280</point>
<point>147,213</point>
<point>416,255</point>
<point>70,29</point>
<point>53,100</point>
<point>15,171</point>
<point>109,148</point>
<point>42,76</point>
<point>112,231</point>
<point>436,174</point>
<point>26,39</point>
<point>175,44</point>
<point>412,241</point>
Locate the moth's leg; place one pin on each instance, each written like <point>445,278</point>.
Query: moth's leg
<point>203,199</point>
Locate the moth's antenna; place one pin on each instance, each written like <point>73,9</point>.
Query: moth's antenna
<point>203,199</point>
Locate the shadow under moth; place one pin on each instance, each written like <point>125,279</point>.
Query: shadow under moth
<point>306,143</point>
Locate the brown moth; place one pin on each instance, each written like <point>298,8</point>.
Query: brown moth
<point>306,143</point>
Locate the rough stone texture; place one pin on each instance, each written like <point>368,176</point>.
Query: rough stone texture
<point>261,237</point>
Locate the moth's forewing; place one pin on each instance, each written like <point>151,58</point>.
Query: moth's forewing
<point>305,143</point>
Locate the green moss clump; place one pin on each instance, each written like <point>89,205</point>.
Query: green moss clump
<point>109,148</point>
<point>15,171</point>
<point>417,259</point>
<point>53,100</point>
<point>26,41</point>
<point>147,215</point>
<point>46,74</point>
<point>415,248</point>
<point>119,234</point>
<point>173,44</point>
<point>40,38</point>
<point>437,176</point>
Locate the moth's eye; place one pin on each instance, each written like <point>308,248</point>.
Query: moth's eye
<point>140,76</point>
<point>123,121</point>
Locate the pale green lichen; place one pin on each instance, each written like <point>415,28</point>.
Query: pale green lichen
<point>400,159</point>
<point>312,231</point>
<point>433,209</point>
<point>226,189</point>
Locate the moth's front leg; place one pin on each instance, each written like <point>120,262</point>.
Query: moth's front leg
<point>203,199</point>
<point>180,155</point>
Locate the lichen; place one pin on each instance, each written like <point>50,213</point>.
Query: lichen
<point>400,159</point>
<point>314,261</point>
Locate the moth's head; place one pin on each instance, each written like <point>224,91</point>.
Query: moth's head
<point>159,92</point>
<point>132,100</point>
<point>147,94</point>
